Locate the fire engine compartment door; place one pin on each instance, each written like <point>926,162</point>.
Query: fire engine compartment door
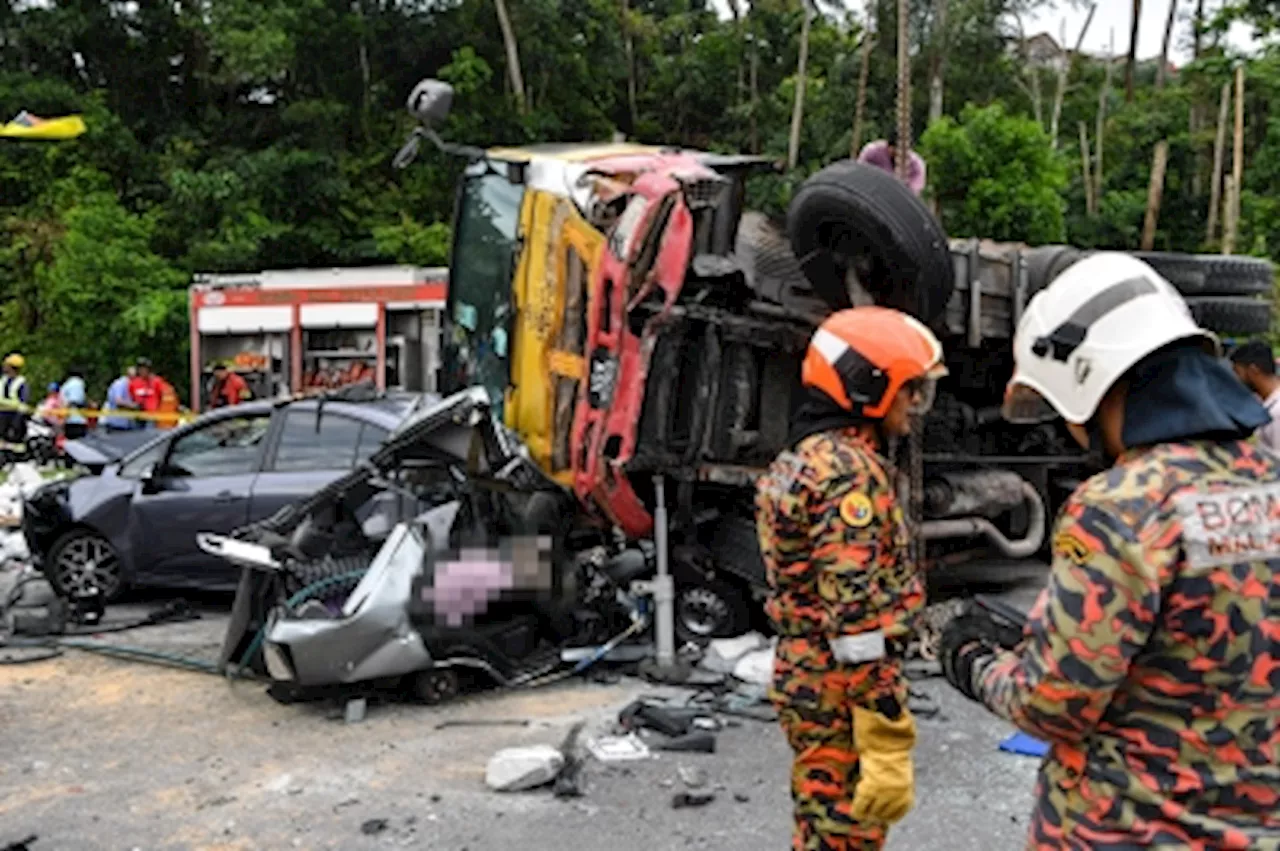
<point>547,356</point>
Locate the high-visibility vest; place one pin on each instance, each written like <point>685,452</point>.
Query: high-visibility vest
<point>11,391</point>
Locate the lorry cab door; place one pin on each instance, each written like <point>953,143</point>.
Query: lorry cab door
<point>561,250</point>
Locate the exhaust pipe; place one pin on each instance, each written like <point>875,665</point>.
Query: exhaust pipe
<point>972,527</point>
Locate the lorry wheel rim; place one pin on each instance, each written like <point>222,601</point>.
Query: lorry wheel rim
<point>703,612</point>
<point>88,564</point>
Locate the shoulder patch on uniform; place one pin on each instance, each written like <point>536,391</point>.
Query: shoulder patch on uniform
<point>1068,545</point>
<point>856,510</point>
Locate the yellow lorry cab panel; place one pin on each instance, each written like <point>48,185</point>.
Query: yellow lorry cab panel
<point>560,252</point>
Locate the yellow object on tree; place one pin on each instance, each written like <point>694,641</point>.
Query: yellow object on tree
<point>28,126</point>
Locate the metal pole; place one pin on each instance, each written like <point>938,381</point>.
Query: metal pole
<point>663,587</point>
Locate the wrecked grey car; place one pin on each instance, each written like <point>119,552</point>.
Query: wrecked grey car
<point>471,579</point>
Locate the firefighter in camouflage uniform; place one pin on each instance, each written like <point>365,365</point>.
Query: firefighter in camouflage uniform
<point>1151,662</point>
<point>844,594</point>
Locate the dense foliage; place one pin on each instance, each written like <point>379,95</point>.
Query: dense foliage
<point>246,134</point>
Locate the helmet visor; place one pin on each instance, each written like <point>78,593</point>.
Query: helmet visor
<point>1025,406</point>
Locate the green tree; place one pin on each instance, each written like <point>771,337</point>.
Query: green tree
<point>995,175</point>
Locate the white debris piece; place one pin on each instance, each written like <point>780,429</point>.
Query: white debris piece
<point>517,769</point>
<point>13,549</point>
<point>21,481</point>
<point>618,748</point>
<point>723,654</point>
<point>756,667</point>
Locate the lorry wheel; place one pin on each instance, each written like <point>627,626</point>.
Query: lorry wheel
<point>851,212</point>
<point>1232,316</point>
<point>1046,263</point>
<point>709,609</point>
<point>1209,274</point>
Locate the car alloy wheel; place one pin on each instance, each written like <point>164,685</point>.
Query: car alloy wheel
<point>84,562</point>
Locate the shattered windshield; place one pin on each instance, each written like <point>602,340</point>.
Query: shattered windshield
<point>476,346</point>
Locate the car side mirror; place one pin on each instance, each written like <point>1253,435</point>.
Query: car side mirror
<point>430,102</point>
<point>151,479</point>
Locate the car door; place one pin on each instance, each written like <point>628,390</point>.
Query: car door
<point>311,452</point>
<point>203,484</point>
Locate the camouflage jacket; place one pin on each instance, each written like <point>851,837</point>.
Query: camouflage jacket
<point>834,541</point>
<point>1152,659</point>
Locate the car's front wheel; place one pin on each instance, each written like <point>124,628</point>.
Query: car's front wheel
<point>81,561</point>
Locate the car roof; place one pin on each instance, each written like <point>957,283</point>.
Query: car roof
<point>387,410</point>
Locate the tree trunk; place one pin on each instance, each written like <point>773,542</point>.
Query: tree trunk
<point>1133,51</point>
<point>860,108</point>
<point>366,76</point>
<point>513,54</point>
<point>1219,158</point>
<point>1089,207</point>
<point>802,71</point>
<point>904,90</point>
<point>629,48</point>
<point>1229,215</point>
<point>1103,97</point>
<point>1197,30</point>
<point>755,90</point>
<point>1155,191</point>
<point>1237,160</point>
<point>1064,73</point>
<point>735,10</point>
<point>938,66</point>
<point>1164,45</point>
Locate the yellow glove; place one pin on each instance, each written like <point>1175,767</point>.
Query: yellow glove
<point>886,783</point>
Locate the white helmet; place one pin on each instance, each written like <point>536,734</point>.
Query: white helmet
<point>1085,330</point>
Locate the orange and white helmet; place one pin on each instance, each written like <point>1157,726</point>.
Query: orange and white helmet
<point>861,357</point>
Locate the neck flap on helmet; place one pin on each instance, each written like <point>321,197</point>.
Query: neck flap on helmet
<point>1181,392</point>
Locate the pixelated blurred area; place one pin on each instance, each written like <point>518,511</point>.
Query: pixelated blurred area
<point>461,585</point>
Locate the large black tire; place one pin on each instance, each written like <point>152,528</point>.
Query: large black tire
<point>1232,316</point>
<point>850,213</point>
<point>1212,274</point>
<point>1045,263</point>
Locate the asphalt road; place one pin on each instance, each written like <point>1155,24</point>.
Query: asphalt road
<point>104,754</point>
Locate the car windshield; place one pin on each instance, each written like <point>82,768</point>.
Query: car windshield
<point>477,325</point>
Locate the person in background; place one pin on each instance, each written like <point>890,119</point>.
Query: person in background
<point>74,425</point>
<point>883,154</point>
<point>118,399</point>
<point>228,388</point>
<point>52,402</point>
<point>14,398</point>
<point>169,406</point>
<point>1255,365</point>
<point>144,389</point>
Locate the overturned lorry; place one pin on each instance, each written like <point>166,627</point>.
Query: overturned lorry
<point>641,332</point>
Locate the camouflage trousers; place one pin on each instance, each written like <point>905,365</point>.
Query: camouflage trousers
<point>815,709</point>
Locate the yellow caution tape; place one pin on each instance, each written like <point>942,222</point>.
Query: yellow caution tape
<point>96,413</point>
